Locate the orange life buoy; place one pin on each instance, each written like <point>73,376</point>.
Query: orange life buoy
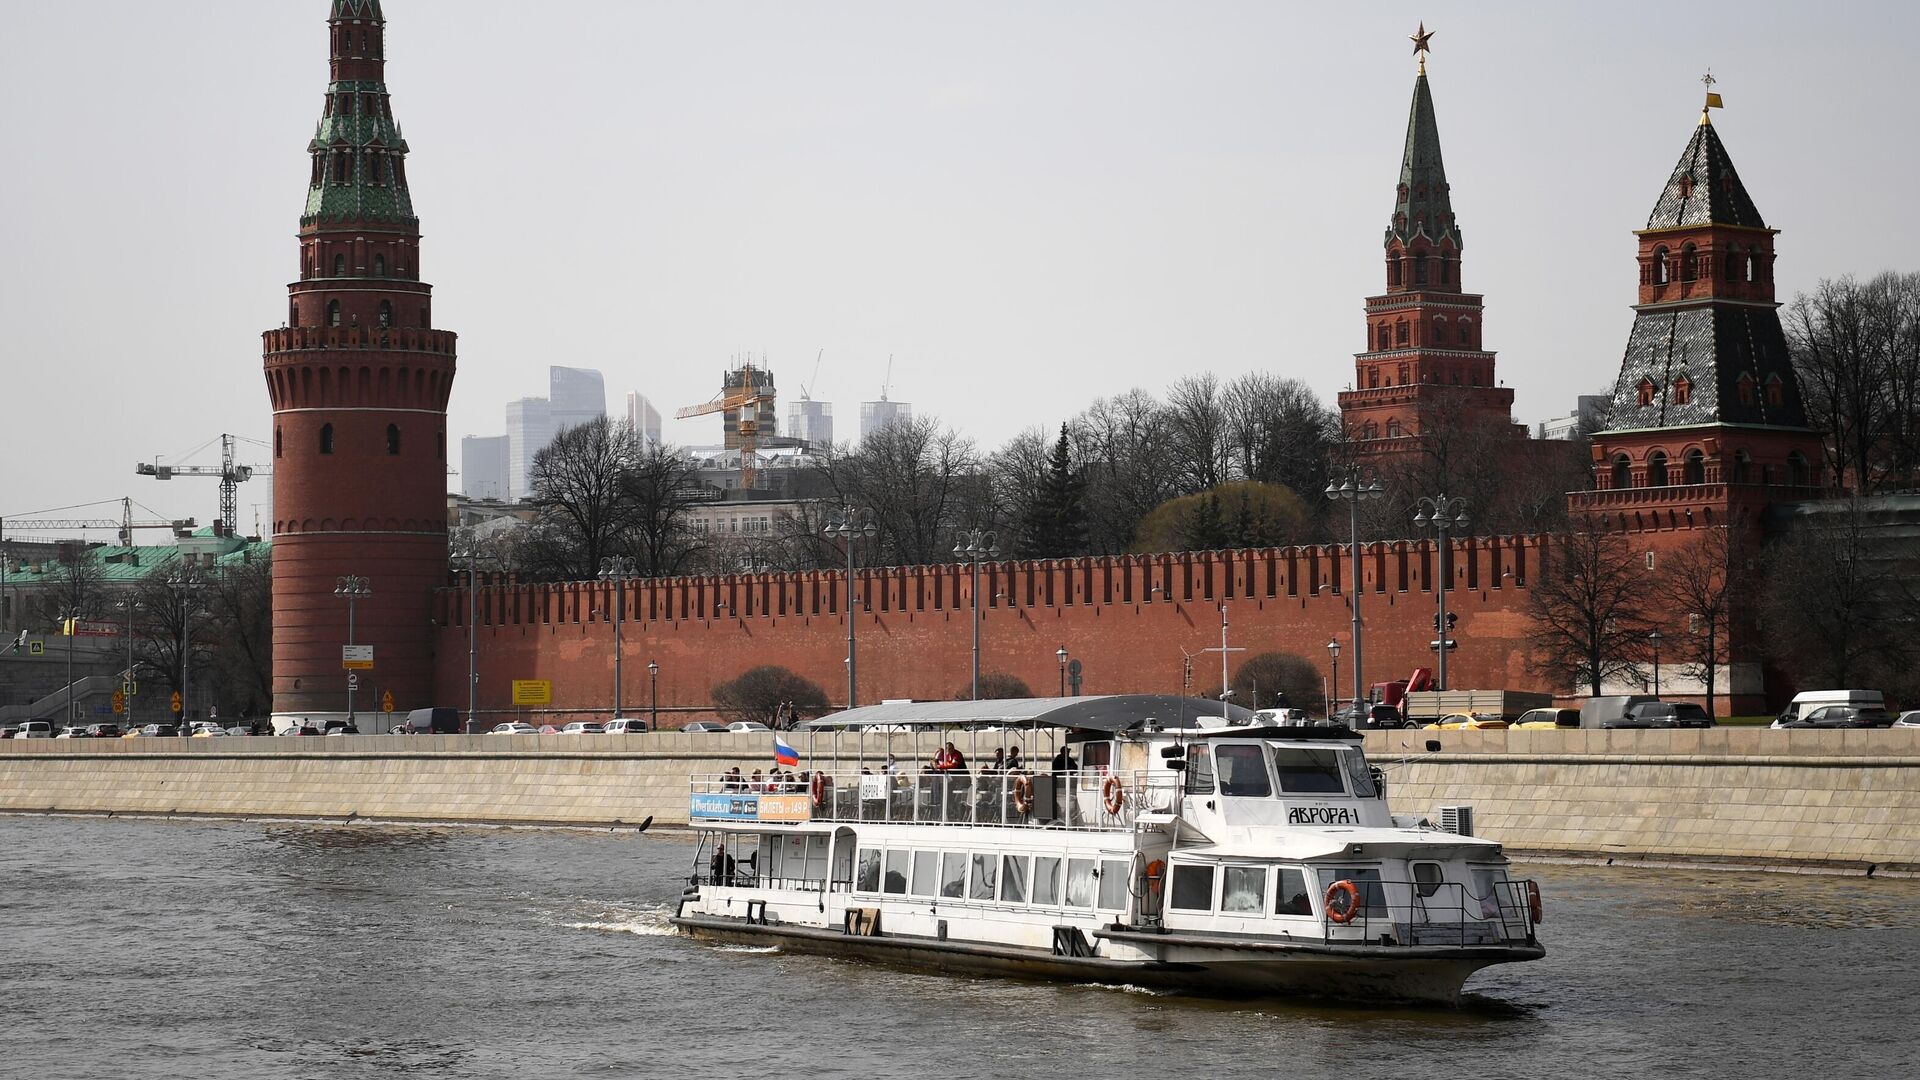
<point>1155,870</point>
<point>820,787</point>
<point>1535,908</point>
<point>1022,793</point>
<point>1343,913</point>
<point>1113,795</point>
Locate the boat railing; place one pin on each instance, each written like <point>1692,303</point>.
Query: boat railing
<point>1092,799</point>
<point>1436,913</point>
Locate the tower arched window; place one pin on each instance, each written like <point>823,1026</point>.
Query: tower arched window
<point>1742,466</point>
<point>1646,391</point>
<point>326,438</point>
<point>341,168</point>
<point>1622,472</point>
<point>1745,386</point>
<point>1682,390</point>
<point>1733,262</point>
<point>1659,266</point>
<point>1689,263</point>
<point>339,266</point>
<point>386,314</point>
<point>1446,269</point>
<point>1776,391</point>
<point>1439,330</point>
<point>278,446</point>
<point>1420,268</point>
<point>1657,469</point>
<point>1400,332</point>
<point>1393,429</point>
<point>393,438</point>
<point>1386,337</point>
<point>1393,268</point>
<point>1693,468</point>
<point>1797,469</point>
<point>333,313</point>
<point>1754,266</point>
<point>379,266</point>
<point>1466,331</point>
<point>1370,430</point>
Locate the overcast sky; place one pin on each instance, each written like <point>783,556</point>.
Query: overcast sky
<point>1028,205</point>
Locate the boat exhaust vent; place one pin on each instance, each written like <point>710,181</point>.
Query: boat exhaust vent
<point>1457,819</point>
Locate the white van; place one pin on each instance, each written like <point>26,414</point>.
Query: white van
<point>1809,700</point>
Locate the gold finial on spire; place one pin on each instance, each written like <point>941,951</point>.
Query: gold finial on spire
<point>1713,99</point>
<point>1420,46</point>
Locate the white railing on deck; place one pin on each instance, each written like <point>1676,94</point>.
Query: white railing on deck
<point>1078,800</point>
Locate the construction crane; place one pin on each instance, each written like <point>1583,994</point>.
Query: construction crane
<point>230,475</point>
<point>806,388</point>
<point>746,398</point>
<point>125,525</point>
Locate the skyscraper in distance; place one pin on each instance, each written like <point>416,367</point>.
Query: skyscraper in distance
<point>643,416</point>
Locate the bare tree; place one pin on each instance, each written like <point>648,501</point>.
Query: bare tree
<point>1589,607</point>
<point>1127,451</point>
<point>758,693</point>
<point>1695,586</point>
<point>1278,680</point>
<point>171,629</point>
<point>1279,432</point>
<point>1197,414</point>
<point>579,486</point>
<point>76,588</point>
<point>1018,472</point>
<point>660,489</point>
<point>1856,350</point>
<point>1838,609</point>
<point>920,480</point>
<point>239,600</point>
<point>996,686</point>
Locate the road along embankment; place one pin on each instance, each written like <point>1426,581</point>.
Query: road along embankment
<point>1844,801</point>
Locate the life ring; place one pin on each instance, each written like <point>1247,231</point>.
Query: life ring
<point>821,785</point>
<point>1535,909</point>
<point>1155,871</point>
<point>1022,793</point>
<point>1112,795</point>
<point>1343,913</point>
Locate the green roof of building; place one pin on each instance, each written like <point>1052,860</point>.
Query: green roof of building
<point>1423,202</point>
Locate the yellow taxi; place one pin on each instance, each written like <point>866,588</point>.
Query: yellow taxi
<point>1467,722</point>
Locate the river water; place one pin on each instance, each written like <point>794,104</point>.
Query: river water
<point>158,949</point>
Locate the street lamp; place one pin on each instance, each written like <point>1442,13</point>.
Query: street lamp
<point>970,546</point>
<point>653,677</point>
<point>619,570</point>
<point>188,585</point>
<point>473,556</point>
<point>1062,654</point>
<point>128,604</point>
<point>1654,636</point>
<point>854,524</point>
<point>1333,661</point>
<point>353,588</point>
<point>1352,490</point>
<point>1443,514</point>
<point>68,619</point>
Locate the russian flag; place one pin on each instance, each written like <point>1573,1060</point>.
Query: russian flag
<point>784,754</point>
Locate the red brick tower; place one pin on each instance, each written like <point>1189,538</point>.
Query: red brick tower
<point>359,382</point>
<point>1423,358</point>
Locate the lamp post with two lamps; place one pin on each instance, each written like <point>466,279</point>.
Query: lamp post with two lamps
<point>353,588</point>
<point>618,570</point>
<point>855,524</point>
<point>1356,488</point>
<point>1333,663</point>
<point>1062,654</point>
<point>653,680</point>
<point>1443,514</point>
<point>188,586</point>
<point>971,546</point>
<point>1654,637</point>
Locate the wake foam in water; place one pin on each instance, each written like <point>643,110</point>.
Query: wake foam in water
<point>644,921</point>
<point>753,949</point>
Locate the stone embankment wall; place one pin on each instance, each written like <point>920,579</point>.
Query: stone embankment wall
<point>1837,800</point>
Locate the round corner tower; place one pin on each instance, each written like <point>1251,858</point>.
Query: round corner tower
<point>359,381</point>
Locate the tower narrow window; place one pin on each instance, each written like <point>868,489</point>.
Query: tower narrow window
<point>1657,469</point>
<point>1742,466</point>
<point>379,266</point>
<point>1682,391</point>
<point>1400,332</point>
<point>1733,262</point>
<point>1776,393</point>
<point>1439,330</point>
<point>340,168</point>
<point>1646,391</point>
<point>339,266</point>
<point>1393,429</point>
<point>393,438</point>
<point>1797,469</point>
<point>1420,269</point>
<point>1622,472</point>
<point>333,313</point>
<point>326,438</point>
<point>278,446</point>
<point>1694,468</point>
<point>1753,266</point>
<point>386,314</point>
<point>1689,263</point>
<point>1746,388</point>
<point>1659,266</point>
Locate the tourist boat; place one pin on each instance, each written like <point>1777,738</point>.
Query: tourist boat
<point>1137,843</point>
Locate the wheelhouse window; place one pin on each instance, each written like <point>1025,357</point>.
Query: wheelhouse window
<point>1290,895</point>
<point>1243,771</point>
<point>1199,770</point>
<point>1192,888</point>
<point>1308,771</point>
<point>985,876</point>
<point>1046,879</point>
<point>895,880</point>
<point>1427,878</point>
<point>1359,777</point>
<point>1244,890</point>
<point>866,877</point>
<point>1080,886</point>
<point>1013,879</point>
<point>1113,885</point>
<point>926,872</point>
<point>953,875</point>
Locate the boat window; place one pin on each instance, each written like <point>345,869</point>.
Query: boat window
<point>1113,885</point>
<point>868,878</point>
<point>1243,771</point>
<point>1013,879</point>
<point>1359,778</point>
<point>1079,882</point>
<point>983,877</point>
<point>1308,772</point>
<point>1192,888</point>
<point>1096,756</point>
<point>1244,890</point>
<point>1290,897</point>
<point>1046,879</point>
<point>896,879</point>
<point>1427,877</point>
<point>1373,896</point>
<point>926,872</point>
<point>1199,770</point>
<point>953,874</point>
<point>1486,890</point>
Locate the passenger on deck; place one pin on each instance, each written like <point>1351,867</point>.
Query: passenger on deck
<point>893,764</point>
<point>998,764</point>
<point>956,761</point>
<point>722,867</point>
<point>731,780</point>
<point>1015,764</point>
<point>756,782</point>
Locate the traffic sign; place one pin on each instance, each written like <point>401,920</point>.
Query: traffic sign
<point>175,702</point>
<point>532,691</point>
<point>119,702</point>
<point>36,648</point>
<point>353,680</point>
<point>356,657</point>
<point>386,702</point>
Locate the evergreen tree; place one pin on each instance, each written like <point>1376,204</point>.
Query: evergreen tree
<point>1206,528</point>
<point>1056,523</point>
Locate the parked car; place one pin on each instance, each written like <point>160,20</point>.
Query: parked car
<point>1807,701</point>
<point>342,727</point>
<point>195,727</point>
<point>514,727</point>
<point>153,731</point>
<point>301,727</point>
<point>1663,714</point>
<point>583,727</point>
<point>1908,719</point>
<point>240,729</point>
<point>704,727</point>
<point>103,731</point>
<point>440,721</point>
<point>1284,718</point>
<point>1840,716</point>
<point>747,725</point>
<point>35,729</point>
<point>210,733</point>
<point>9,731</point>
<point>1600,712</point>
<point>627,727</point>
<point>72,731</point>
<point>1542,719</point>
<point>1468,722</point>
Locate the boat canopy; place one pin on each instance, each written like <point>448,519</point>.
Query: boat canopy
<point>1111,713</point>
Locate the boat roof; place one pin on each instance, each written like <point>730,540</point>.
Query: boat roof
<point>1110,713</point>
